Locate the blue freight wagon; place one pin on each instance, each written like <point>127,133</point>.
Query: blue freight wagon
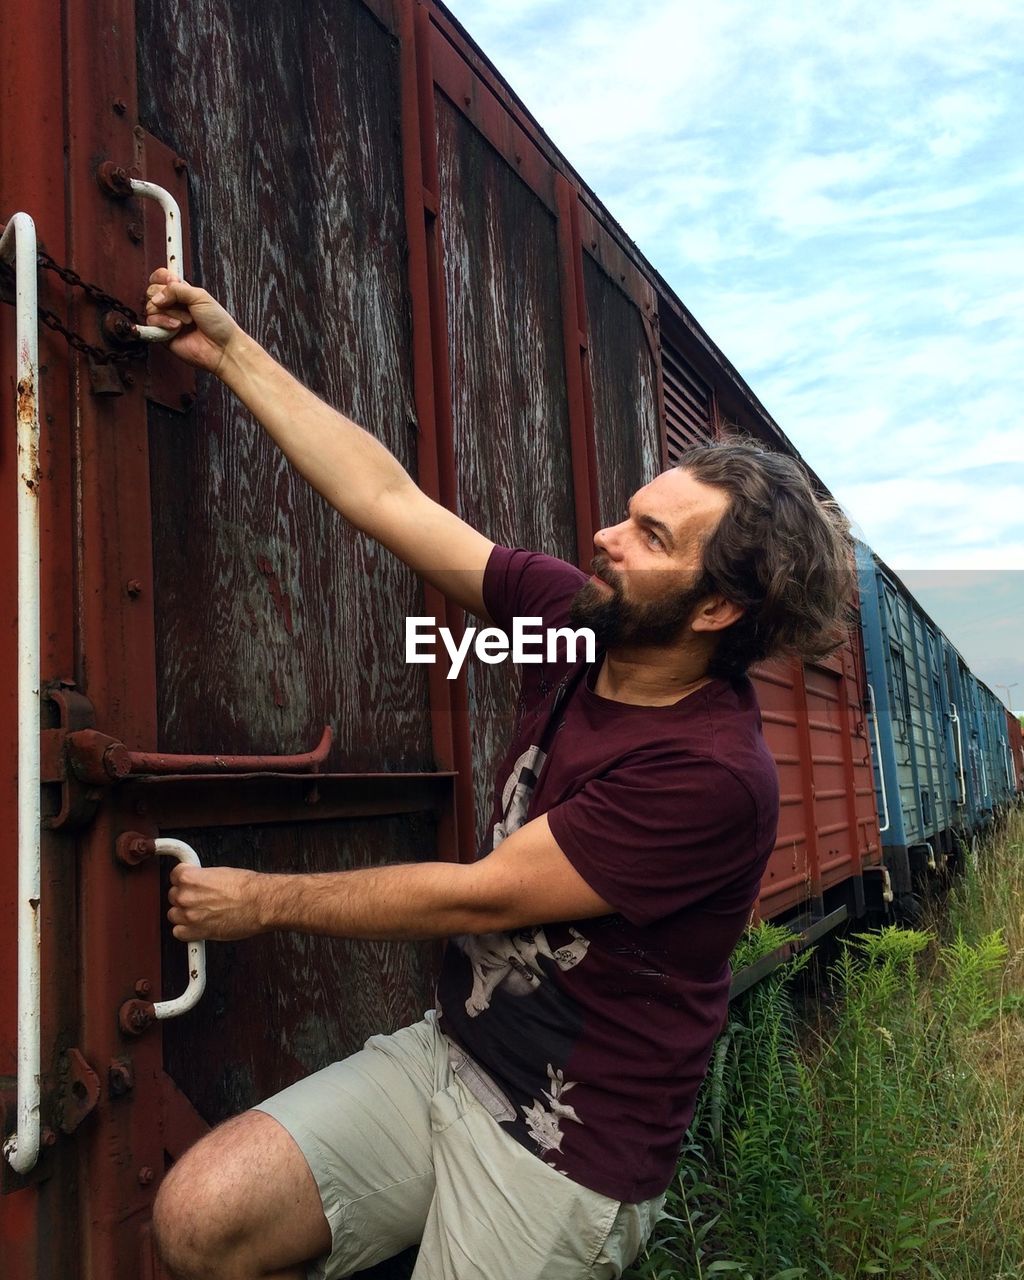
<point>916,771</point>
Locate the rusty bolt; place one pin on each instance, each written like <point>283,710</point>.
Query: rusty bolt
<point>128,379</point>
<point>117,328</point>
<point>467,99</point>
<point>114,179</point>
<point>135,233</point>
<point>120,1077</point>
<point>134,1017</point>
<point>132,848</point>
<point>134,587</point>
<point>143,987</point>
<point>180,164</point>
<point>146,1176</point>
<point>48,1138</point>
<point>120,106</point>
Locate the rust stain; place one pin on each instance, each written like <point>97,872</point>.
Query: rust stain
<point>278,692</point>
<point>26,400</point>
<point>282,602</point>
<point>31,473</point>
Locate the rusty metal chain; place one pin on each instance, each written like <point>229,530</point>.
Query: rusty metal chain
<point>93,292</point>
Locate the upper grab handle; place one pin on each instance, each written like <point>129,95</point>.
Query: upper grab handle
<point>175,255</point>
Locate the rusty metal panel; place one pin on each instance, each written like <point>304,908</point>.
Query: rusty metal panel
<point>299,229</point>
<point>830,771</point>
<point>282,1005</point>
<point>789,875</point>
<point>626,427</point>
<point>815,728</point>
<point>510,415</point>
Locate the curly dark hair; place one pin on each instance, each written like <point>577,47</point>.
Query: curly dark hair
<point>781,552</point>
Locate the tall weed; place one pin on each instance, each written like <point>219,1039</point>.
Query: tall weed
<point>882,1134</point>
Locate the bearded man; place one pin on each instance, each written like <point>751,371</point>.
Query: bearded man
<point>529,1125</point>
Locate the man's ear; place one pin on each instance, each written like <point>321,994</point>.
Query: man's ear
<point>715,614</point>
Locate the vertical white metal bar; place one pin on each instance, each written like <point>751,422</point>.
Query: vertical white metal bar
<point>878,757</point>
<point>22,1147</point>
<point>959,754</point>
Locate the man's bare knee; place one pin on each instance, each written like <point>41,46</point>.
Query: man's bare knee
<point>191,1234</point>
<point>215,1214</point>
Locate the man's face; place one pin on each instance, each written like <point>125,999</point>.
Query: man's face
<point>647,571</point>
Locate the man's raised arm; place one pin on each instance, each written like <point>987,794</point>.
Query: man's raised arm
<point>348,466</point>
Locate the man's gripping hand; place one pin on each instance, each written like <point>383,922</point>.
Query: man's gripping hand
<point>204,330</point>
<point>219,903</point>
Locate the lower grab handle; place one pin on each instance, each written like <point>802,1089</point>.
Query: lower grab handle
<point>136,1015</point>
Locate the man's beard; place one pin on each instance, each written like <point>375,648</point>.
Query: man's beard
<point>617,622</point>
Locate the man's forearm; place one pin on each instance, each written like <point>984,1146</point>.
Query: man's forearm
<point>344,463</point>
<point>527,880</point>
<point>409,901</point>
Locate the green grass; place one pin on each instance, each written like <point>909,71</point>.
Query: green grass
<point>876,1129</point>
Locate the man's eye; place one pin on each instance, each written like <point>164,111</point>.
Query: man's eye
<point>654,538</point>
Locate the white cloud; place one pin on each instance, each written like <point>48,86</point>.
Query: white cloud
<point>834,191</point>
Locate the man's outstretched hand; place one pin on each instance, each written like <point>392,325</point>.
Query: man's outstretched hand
<point>204,330</point>
<point>219,903</point>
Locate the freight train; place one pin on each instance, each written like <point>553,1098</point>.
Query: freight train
<point>361,187</point>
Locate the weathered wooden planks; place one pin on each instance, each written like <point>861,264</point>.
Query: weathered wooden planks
<point>508,385</point>
<point>622,372</point>
<point>273,616</point>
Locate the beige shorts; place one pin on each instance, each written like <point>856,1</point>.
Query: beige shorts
<point>404,1150</point>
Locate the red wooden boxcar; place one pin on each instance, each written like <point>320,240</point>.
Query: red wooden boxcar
<point>369,197</point>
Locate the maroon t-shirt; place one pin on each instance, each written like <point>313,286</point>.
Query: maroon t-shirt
<point>598,1031</point>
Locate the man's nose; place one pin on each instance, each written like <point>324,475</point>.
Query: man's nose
<point>608,541</point>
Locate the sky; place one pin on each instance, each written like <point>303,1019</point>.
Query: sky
<point>836,192</point>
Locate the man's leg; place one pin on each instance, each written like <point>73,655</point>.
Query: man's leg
<point>337,1168</point>
<point>499,1213</point>
<point>241,1204</point>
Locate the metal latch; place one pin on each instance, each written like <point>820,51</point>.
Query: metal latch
<point>83,762</point>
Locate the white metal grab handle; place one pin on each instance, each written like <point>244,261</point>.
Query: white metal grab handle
<point>175,256</point>
<point>22,1147</point>
<point>881,766</point>
<point>190,997</point>
<point>954,717</point>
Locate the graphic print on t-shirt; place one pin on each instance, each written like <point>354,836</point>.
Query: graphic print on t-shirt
<point>509,966</point>
<point>516,793</point>
<point>513,959</point>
